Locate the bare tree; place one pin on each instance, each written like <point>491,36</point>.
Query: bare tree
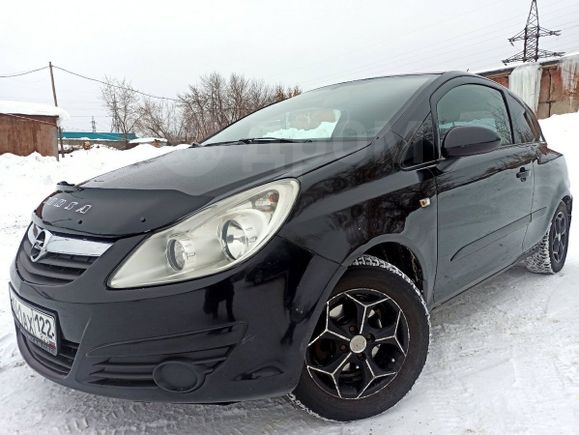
<point>165,120</point>
<point>217,102</point>
<point>122,104</point>
<point>204,109</point>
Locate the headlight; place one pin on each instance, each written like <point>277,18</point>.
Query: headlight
<point>212,240</point>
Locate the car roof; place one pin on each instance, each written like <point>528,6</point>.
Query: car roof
<point>434,75</point>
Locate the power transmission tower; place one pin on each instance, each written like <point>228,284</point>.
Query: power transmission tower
<point>93,125</point>
<point>531,35</point>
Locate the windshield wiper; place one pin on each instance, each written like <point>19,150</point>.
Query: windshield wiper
<point>272,139</point>
<point>266,139</point>
<point>227,142</point>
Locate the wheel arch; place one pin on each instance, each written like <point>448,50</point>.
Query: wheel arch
<point>568,200</point>
<point>403,254</point>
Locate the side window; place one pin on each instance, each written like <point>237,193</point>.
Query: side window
<point>523,130</point>
<point>422,148</point>
<point>532,119</point>
<point>477,105</point>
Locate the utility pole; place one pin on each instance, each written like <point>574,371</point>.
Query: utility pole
<point>530,35</point>
<point>93,124</point>
<point>56,104</point>
<point>115,124</point>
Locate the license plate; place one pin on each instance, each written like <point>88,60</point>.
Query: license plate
<point>39,326</point>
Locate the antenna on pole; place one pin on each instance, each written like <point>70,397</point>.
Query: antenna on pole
<point>531,35</point>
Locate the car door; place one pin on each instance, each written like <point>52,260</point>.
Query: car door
<point>527,133</point>
<point>484,201</point>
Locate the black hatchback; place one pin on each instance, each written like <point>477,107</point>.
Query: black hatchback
<point>296,252</point>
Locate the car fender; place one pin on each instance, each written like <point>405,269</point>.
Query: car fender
<point>551,187</point>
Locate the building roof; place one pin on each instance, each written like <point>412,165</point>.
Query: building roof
<point>31,109</point>
<point>89,135</point>
<point>506,70</point>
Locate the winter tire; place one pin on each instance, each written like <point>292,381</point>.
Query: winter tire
<point>550,254</point>
<point>369,346</point>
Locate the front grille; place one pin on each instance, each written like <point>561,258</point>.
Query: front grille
<point>59,364</point>
<point>53,269</point>
<point>52,259</point>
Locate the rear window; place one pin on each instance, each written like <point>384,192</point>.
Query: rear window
<point>523,130</point>
<point>532,119</point>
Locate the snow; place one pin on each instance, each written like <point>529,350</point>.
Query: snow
<point>570,72</point>
<point>562,133</point>
<point>504,356</point>
<point>24,108</point>
<point>322,130</point>
<point>525,81</point>
<point>143,140</point>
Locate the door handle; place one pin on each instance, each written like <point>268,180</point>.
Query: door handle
<point>523,174</point>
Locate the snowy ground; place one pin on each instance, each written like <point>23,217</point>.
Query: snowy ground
<point>504,355</point>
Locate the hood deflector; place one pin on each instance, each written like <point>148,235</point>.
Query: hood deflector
<point>155,193</point>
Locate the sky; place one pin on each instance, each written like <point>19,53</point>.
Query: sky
<point>162,47</point>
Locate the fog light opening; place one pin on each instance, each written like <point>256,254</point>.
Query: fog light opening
<point>178,376</point>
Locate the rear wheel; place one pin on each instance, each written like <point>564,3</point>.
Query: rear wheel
<point>551,253</point>
<point>369,345</point>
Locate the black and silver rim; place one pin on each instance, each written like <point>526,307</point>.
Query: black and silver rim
<point>560,237</point>
<point>360,344</point>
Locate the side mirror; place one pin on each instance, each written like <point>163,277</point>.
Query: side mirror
<point>469,141</point>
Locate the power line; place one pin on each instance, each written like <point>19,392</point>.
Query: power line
<point>92,79</point>
<point>479,39</point>
<point>408,60</point>
<point>90,116</point>
<point>7,76</point>
<point>379,43</point>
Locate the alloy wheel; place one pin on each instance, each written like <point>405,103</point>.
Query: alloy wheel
<point>560,237</point>
<point>360,344</point>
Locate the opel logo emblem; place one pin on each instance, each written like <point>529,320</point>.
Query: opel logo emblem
<point>39,247</point>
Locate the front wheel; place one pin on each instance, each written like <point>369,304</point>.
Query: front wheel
<point>369,345</point>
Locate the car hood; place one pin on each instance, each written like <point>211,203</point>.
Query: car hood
<point>157,192</point>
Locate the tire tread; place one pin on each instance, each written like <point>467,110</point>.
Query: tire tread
<point>539,260</point>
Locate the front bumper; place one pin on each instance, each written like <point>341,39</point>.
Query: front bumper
<point>233,336</point>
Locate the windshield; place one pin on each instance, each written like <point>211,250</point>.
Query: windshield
<point>348,111</point>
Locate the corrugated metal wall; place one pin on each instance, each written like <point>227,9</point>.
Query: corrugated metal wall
<point>25,134</point>
<point>554,99</point>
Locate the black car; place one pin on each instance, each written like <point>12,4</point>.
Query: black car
<point>297,251</point>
